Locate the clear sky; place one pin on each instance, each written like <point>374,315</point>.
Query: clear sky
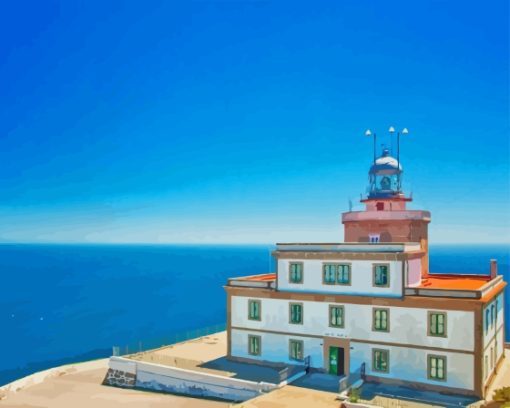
<point>243,121</point>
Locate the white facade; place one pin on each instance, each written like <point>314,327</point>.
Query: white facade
<point>407,340</point>
<point>275,347</point>
<point>411,364</point>
<point>494,335</point>
<point>361,278</point>
<point>404,362</point>
<point>407,326</point>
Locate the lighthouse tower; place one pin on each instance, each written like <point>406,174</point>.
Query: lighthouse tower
<point>386,217</point>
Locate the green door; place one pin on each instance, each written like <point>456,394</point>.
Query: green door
<point>333,360</point>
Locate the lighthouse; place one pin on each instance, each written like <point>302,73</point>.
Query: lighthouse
<point>386,217</point>
<point>369,307</point>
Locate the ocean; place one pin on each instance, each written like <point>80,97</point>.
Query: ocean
<point>68,303</point>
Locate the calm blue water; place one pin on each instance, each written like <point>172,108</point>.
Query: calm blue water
<point>64,303</point>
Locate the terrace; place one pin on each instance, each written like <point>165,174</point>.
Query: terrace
<point>200,367</point>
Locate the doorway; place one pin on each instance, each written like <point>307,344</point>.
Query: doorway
<point>336,360</point>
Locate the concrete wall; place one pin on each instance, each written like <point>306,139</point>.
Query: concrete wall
<point>177,380</point>
<point>361,278</point>
<point>408,326</point>
<point>413,272</point>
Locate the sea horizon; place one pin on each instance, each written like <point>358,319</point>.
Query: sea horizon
<point>229,243</point>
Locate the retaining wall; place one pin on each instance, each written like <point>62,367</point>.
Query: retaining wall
<point>127,373</point>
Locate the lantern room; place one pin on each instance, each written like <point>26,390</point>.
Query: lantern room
<point>385,177</point>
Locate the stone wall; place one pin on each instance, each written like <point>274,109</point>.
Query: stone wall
<point>118,378</point>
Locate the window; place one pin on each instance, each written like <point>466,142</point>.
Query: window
<point>381,275</point>
<point>437,368</point>
<point>254,345</point>
<point>336,316</point>
<point>487,320</point>
<point>379,206</point>
<point>296,350</point>
<point>381,320</point>
<point>296,272</point>
<point>329,274</point>
<point>486,366</point>
<point>437,324</point>
<point>492,358</point>
<point>380,360</point>
<point>296,313</point>
<point>344,274</point>
<point>493,314</point>
<point>336,274</point>
<point>373,238</point>
<point>254,309</point>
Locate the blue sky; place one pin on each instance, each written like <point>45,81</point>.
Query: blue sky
<point>232,121</point>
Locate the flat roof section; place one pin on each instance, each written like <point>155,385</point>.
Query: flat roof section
<point>481,287</point>
<point>264,281</point>
<point>454,281</point>
<point>356,216</point>
<point>263,277</point>
<point>393,247</point>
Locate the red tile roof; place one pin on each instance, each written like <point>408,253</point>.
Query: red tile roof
<point>263,277</point>
<point>454,282</point>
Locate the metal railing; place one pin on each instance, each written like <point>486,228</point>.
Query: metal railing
<point>150,344</point>
<point>289,371</point>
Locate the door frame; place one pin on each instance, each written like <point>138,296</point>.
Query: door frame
<point>336,342</point>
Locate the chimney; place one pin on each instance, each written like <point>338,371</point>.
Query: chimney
<point>494,268</point>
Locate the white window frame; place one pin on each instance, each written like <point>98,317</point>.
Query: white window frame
<point>374,238</point>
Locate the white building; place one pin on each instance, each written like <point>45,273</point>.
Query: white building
<point>369,306</point>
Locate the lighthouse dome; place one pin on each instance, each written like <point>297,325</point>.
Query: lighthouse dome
<point>385,165</point>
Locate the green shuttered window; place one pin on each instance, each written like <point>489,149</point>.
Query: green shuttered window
<point>296,350</point>
<point>296,272</point>
<point>437,324</point>
<point>381,319</point>
<point>380,360</point>
<point>381,275</point>
<point>343,274</point>
<point>339,274</point>
<point>296,313</point>
<point>254,345</point>
<point>329,274</point>
<point>437,368</point>
<point>336,316</point>
<point>254,309</point>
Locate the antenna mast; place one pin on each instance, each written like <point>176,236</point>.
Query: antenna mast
<point>369,133</point>
<point>404,132</point>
